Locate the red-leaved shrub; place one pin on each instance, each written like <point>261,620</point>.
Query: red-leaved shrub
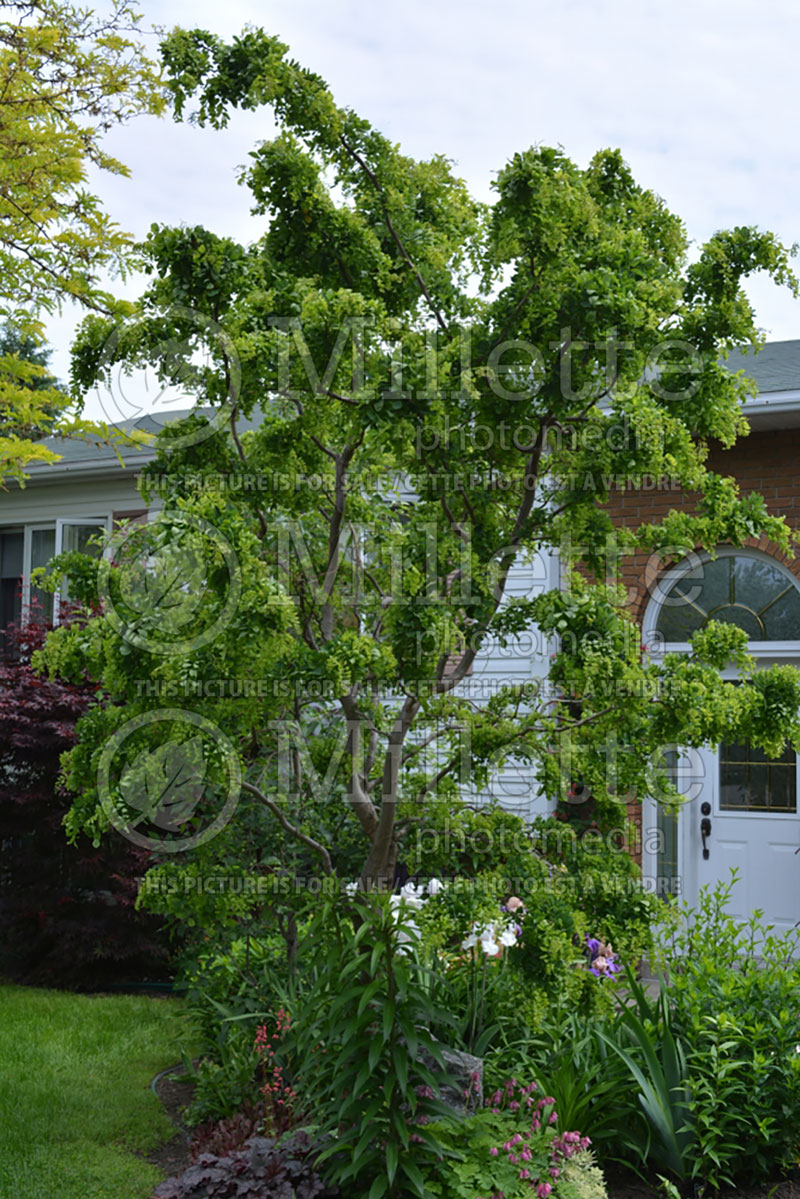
<point>67,912</point>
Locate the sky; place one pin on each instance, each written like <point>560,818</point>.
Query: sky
<point>700,96</point>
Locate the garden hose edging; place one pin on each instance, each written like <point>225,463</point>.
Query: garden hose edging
<point>154,1088</point>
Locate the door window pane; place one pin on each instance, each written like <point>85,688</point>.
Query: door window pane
<point>749,781</point>
<point>78,537</point>
<point>667,882</point>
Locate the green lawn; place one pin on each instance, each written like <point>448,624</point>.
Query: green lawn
<point>75,1097</point>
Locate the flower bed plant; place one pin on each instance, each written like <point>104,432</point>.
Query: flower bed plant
<point>262,1169</point>
<point>733,991</point>
<point>513,1149</point>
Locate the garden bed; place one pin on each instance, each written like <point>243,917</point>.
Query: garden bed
<point>173,1155</point>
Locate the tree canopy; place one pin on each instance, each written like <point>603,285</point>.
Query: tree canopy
<point>67,76</point>
<point>419,392</point>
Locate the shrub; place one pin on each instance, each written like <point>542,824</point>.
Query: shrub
<point>66,911</point>
<point>263,1169</point>
<point>573,884</point>
<point>224,1084</point>
<point>229,991</point>
<point>733,990</point>
<point>600,879</point>
<point>498,993</point>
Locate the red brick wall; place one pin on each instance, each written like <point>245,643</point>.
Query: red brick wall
<point>768,463</point>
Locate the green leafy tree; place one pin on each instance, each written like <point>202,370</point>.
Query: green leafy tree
<point>24,361</point>
<point>67,76</point>
<point>382,321</point>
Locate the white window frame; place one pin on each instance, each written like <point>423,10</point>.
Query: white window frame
<point>57,526</point>
<point>758,649</point>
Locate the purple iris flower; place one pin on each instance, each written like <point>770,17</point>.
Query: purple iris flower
<point>602,961</point>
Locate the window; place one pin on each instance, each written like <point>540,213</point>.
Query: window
<point>747,590</point>
<point>667,881</point>
<point>749,781</point>
<point>23,548</point>
<point>11,552</point>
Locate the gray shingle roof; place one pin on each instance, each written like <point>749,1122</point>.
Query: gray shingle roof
<point>75,450</point>
<point>79,456</point>
<point>776,367</point>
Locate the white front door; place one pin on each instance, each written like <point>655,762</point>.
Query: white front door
<point>743,814</point>
<point>745,804</point>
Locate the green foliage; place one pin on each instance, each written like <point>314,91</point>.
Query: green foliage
<point>227,993</point>
<point>569,1059</point>
<point>67,76</point>
<point>659,1071</point>
<point>361,1050</point>
<point>733,990</point>
<point>454,838</point>
<point>553,935</point>
<point>370,600</point>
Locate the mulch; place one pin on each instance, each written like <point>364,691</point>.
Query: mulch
<point>173,1156</point>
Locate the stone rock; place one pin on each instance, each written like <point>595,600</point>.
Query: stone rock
<point>464,1076</point>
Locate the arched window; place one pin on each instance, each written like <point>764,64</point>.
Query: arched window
<point>743,588</point>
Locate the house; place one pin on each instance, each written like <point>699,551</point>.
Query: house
<point>741,809</point>
<point>61,506</point>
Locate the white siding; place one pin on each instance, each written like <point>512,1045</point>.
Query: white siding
<point>41,502</point>
<point>524,657</point>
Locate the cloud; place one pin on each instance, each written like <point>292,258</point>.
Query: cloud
<point>700,97</point>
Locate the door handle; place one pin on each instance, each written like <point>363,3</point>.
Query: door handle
<point>705,831</point>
